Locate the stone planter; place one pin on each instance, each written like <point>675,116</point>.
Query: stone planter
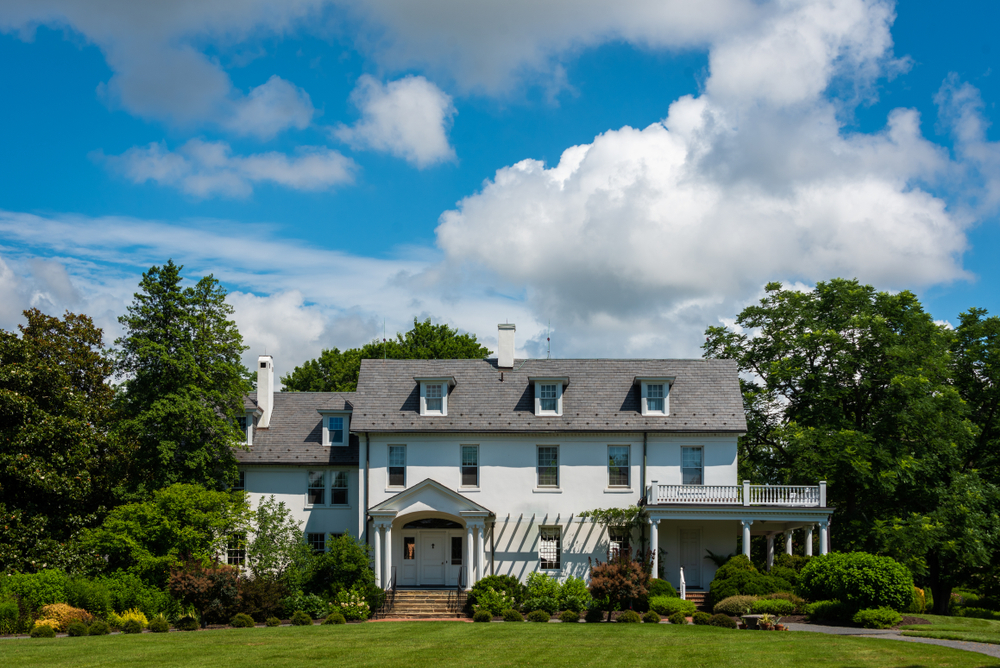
<point>751,620</point>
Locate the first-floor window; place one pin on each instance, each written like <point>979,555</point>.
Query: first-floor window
<point>317,488</point>
<point>548,466</point>
<point>317,541</point>
<point>618,542</point>
<point>618,466</point>
<point>338,488</point>
<point>397,466</point>
<point>470,466</point>
<point>456,550</point>
<point>236,550</point>
<point>241,482</point>
<point>692,465</point>
<point>409,548</point>
<point>549,548</point>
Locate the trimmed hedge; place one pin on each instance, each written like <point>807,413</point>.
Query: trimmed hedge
<point>723,621</point>
<point>701,618</point>
<point>132,626</point>
<point>159,625</point>
<point>301,619</point>
<point>482,616</point>
<point>187,623</point>
<point>539,616</point>
<point>739,577</point>
<point>651,618</point>
<point>335,617</point>
<point>505,583</point>
<point>678,618</point>
<point>77,629</point>
<point>512,615</point>
<point>569,616</point>
<point>877,618</point>
<point>773,606</point>
<point>828,611</point>
<point>629,617</point>
<point>593,616</point>
<point>735,605</point>
<point>242,621</point>
<point>272,622</point>
<point>43,631</point>
<point>98,628</point>
<point>858,580</point>
<point>658,587</point>
<point>665,606</point>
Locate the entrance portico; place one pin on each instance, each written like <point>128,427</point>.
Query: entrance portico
<point>429,535</point>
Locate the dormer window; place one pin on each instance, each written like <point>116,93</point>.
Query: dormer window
<point>655,395</point>
<point>434,395</point>
<point>549,395</point>
<point>336,427</point>
<point>245,424</point>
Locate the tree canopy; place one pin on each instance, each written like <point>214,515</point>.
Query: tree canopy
<point>858,387</point>
<point>336,371</point>
<point>184,382</point>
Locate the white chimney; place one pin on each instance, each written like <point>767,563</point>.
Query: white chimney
<point>505,346</point>
<point>265,389</point>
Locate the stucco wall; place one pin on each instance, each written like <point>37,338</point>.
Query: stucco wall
<point>717,536</point>
<point>289,484</point>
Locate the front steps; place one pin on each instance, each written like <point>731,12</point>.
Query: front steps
<point>427,604</point>
<point>698,597</point>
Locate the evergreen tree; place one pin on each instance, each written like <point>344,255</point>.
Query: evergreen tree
<point>184,382</point>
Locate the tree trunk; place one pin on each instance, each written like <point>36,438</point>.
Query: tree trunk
<point>942,597</point>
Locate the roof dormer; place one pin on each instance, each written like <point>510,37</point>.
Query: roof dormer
<point>549,394</point>
<point>434,395</point>
<point>654,395</point>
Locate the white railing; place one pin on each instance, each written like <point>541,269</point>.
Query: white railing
<point>803,496</point>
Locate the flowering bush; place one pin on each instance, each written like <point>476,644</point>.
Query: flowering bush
<point>310,604</point>
<point>65,614</point>
<point>353,604</point>
<point>494,602</point>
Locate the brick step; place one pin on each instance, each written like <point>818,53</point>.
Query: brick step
<point>425,608</point>
<point>425,615</point>
<point>697,597</point>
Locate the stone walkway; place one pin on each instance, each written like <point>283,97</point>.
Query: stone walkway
<point>891,634</point>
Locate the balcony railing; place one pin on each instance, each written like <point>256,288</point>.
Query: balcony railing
<point>800,496</point>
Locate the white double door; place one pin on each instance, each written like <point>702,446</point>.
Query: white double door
<point>431,557</point>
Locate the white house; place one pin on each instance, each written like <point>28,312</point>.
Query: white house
<point>456,469</point>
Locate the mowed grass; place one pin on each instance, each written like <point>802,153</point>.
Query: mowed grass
<point>413,644</point>
<point>956,628</point>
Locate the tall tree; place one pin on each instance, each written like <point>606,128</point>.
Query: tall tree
<point>56,469</point>
<point>184,382</point>
<point>336,371</point>
<point>854,386</point>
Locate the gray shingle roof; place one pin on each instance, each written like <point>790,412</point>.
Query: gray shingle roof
<point>295,435</point>
<point>601,396</point>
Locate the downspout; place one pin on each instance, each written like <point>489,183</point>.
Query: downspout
<point>368,538</point>
<point>493,528</point>
<point>642,495</point>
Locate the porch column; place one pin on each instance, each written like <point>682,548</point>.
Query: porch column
<point>746,537</point>
<point>388,554</point>
<point>654,544</point>
<point>770,550</point>
<point>480,554</point>
<point>378,555</point>
<point>788,542</point>
<point>809,540</point>
<point>470,566</point>
<point>823,537</point>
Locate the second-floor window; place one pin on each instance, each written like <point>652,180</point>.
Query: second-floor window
<point>397,466</point>
<point>692,466</point>
<point>338,488</point>
<point>618,468</point>
<point>548,466</point>
<point>470,466</point>
<point>316,494</point>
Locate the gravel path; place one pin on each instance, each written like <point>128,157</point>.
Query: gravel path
<point>890,634</point>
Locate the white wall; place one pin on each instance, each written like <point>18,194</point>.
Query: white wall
<point>289,484</point>
<point>717,536</point>
<point>663,458</point>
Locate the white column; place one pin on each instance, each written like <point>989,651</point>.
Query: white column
<point>378,555</point>
<point>746,537</point>
<point>481,555</point>
<point>470,573</point>
<point>770,550</point>
<point>388,555</point>
<point>788,542</point>
<point>823,537</point>
<point>654,544</point>
<point>809,540</point>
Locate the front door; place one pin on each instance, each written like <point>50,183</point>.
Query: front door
<point>432,557</point>
<point>691,557</point>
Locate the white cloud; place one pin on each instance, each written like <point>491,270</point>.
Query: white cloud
<point>408,118</point>
<point>270,108</point>
<point>206,169</point>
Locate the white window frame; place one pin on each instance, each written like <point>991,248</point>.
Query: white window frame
<point>699,448</point>
<point>446,384</point>
<point>236,549</point>
<point>333,415</point>
<point>538,484</point>
<point>388,465</point>
<point>328,478</point>
<point>309,486</point>
<point>628,467</point>
<point>542,530</point>
<point>248,431</point>
<point>560,384</point>
<point>644,395</point>
<point>461,466</point>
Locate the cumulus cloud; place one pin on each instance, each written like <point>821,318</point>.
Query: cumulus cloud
<point>408,118</point>
<point>206,169</point>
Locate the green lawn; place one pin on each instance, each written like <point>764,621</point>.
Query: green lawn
<point>956,628</point>
<point>413,644</point>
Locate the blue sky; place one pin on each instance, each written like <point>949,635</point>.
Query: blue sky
<point>626,175</point>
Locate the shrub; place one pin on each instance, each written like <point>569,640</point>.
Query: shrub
<point>773,606</point>
<point>10,614</point>
<point>977,613</point>
<point>77,629</point>
<point>619,582</point>
<point>789,575</point>
<point>746,583</point>
<point>538,616</point>
<point>211,590</point>
<point>334,618</point>
<point>353,604</point>
<point>569,616</point>
<point>734,605</point>
<point>159,624</point>
<point>37,589</point>
<point>877,618</point>
<point>301,619</point>
<point>797,601</point>
<point>98,628</point>
<point>919,602</point>
<point>701,618</point>
<point>505,583</point>
<point>629,617</point>
<point>574,594</point>
<point>594,615</point>
<point>658,587</point>
<point>494,601</point>
<point>345,565</point>
<point>311,604</point>
<point>272,622</point>
<point>485,616</point>
<point>542,593</point>
<point>90,595</point>
<point>545,603</point>
<point>65,615</point>
<point>43,631</point>
<point>723,621</point>
<point>262,596</point>
<point>119,621</point>
<point>828,611</point>
<point>651,618</point>
<point>128,592</point>
<point>678,618</point>
<point>187,623</point>
<point>795,562</point>
<point>241,621</point>
<point>512,615</point>
<point>858,579</point>
<point>132,626</point>
<point>665,606</point>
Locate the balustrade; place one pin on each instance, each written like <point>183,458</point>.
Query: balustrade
<point>807,496</point>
